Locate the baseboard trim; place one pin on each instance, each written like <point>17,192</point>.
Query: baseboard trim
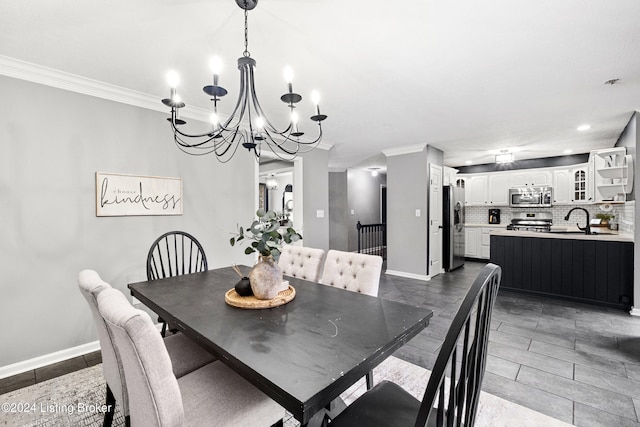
<point>634,311</point>
<point>48,359</point>
<point>408,275</point>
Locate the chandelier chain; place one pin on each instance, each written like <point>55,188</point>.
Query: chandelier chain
<point>246,31</point>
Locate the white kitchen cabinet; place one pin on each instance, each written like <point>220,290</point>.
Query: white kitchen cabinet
<point>476,190</point>
<point>582,184</point>
<point>562,186</point>
<point>613,177</point>
<point>449,175</point>
<point>472,242</point>
<point>485,241</point>
<point>498,189</point>
<point>529,178</point>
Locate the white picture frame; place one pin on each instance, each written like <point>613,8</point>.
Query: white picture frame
<point>136,195</point>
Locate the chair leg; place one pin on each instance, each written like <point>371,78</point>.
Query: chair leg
<point>164,329</point>
<point>111,407</point>
<point>369,379</point>
<point>127,421</point>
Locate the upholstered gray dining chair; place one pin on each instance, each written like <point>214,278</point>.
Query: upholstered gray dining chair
<point>461,363</point>
<point>352,271</point>
<point>301,262</point>
<point>186,356</point>
<point>173,254</point>
<point>213,395</point>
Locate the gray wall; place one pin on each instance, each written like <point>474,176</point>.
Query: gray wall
<point>630,139</point>
<point>52,143</point>
<point>338,214</point>
<point>364,199</point>
<point>407,188</point>
<point>315,177</point>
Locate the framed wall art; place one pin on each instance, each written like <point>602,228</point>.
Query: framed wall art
<point>133,195</point>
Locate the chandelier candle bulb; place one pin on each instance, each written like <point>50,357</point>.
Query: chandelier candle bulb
<point>216,66</point>
<point>315,98</point>
<point>288,77</point>
<point>173,79</point>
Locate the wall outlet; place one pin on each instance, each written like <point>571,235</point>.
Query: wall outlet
<point>418,212</point>
<point>353,212</point>
<point>320,213</point>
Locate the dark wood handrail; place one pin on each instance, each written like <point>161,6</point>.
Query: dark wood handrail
<point>372,239</point>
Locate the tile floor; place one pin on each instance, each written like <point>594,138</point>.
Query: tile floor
<point>575,362</point>
<point>45,373</point>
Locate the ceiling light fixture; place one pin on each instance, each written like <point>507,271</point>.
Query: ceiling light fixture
<point>374,171</point>
<point>247,125</point>
<point>504,157</point>
<point>584,127</point>
<point>568,151</point>
<point>271,182</point>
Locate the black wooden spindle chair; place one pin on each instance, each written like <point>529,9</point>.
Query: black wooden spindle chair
<point>173,254</point>
<point>456,378</point>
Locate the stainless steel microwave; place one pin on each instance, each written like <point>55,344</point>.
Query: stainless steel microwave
<point>531,197</point>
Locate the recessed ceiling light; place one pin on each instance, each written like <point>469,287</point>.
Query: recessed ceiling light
<point>568,151</point>
<point>468,162</point>
<point>584,127</point>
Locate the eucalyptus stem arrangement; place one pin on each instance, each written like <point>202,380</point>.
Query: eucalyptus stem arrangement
<point>266,234</point>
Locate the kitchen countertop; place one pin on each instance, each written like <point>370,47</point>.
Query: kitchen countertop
<point>610,236</point>
<point>486,225</point>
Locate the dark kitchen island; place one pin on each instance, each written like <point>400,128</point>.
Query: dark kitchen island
<point>595,269</point>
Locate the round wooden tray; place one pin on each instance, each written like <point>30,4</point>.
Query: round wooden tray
<point>232,298</point>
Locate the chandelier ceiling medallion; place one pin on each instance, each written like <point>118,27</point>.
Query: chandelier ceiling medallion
<point>247,125</point>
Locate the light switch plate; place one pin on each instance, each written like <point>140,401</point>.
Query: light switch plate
<point>417,212</point>
<point>319,213</point>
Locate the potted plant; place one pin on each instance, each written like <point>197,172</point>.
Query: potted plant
<point>604,218</point>
<point>266,235</point>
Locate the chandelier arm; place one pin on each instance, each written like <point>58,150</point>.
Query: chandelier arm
<point>272,142</point>
<point>177,136</point>
<point>258,107</point>
<point>177,131</point>
<point>240,104</point>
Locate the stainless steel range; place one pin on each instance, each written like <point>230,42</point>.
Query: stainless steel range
<point>531,221</point>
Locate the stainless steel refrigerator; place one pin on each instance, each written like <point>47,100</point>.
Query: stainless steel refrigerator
<point>453,227</point>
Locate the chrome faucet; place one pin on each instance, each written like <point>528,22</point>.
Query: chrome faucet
<point>587,228</point>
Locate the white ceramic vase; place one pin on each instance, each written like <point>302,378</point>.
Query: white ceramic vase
<point>266,278</point>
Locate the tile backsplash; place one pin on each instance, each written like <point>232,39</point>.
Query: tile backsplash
<point>624,213</point>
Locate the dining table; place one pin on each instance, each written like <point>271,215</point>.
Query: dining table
<point>302,354</point>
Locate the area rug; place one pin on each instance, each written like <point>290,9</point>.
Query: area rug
<point>77,399</point>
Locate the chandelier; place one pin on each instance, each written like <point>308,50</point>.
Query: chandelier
<point>247,125</point>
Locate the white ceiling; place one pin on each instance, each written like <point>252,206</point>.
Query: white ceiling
<point>464,76</point>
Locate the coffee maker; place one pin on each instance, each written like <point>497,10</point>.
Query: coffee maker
<point>494,216</point>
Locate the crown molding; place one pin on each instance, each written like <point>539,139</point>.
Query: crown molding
<point>409,149</point>
<point>12,67</point>
<point>35,73</point>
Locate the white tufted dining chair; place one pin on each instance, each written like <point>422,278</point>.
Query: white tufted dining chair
<point>186,356</point>
<point>352,271</point>
<point>212,395</point>
<point>301,262</point>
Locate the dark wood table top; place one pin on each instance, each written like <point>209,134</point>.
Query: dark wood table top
<point>302,354</point>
